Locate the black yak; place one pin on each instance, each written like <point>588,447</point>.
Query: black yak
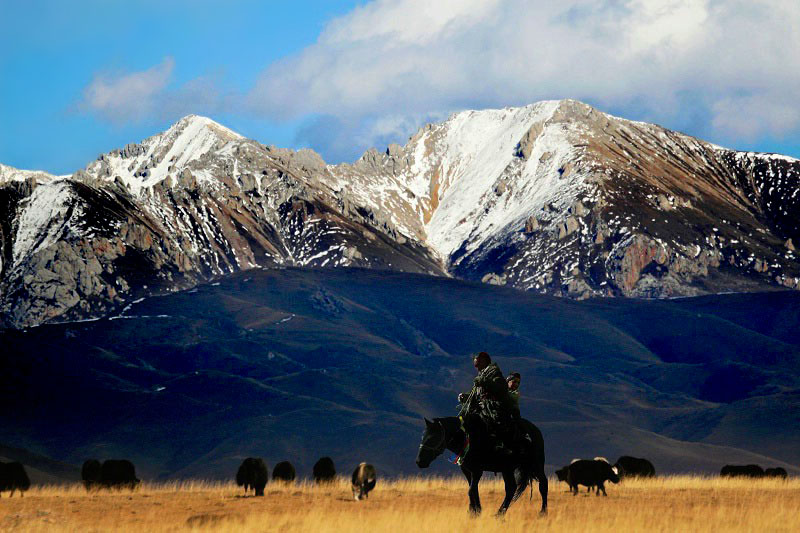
<point>118,473</point>
<point>592,473</point>
<point>284,471</point>
<point>90,474</point>
<point>776,472</point>
<point>561,475</point>
<point>253,474</point>
<point>324,471</point>
<point>628,466</point>
<point>364,479</point>
<point>741,471</point>
<point>13,477</point>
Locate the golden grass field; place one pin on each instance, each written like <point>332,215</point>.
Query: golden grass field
<point>679,503</point>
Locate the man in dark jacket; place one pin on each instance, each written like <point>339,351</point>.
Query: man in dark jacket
<point>490,399</point>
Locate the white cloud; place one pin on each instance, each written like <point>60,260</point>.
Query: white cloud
<point>656,23</point>
<point>128,97</point>
<point>148,95</point>
<point>717,67</point>
<point>727,70</point>
<point>747,117</point>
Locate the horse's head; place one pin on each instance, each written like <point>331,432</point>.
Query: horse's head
<point>434,442</point>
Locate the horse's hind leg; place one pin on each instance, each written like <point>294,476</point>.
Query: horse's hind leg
<point>511,488</point>
<point>542,477</point>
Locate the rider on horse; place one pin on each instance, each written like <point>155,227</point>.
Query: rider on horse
<point>490,399</point>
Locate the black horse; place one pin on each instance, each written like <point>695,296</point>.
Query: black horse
<point>518,469</point>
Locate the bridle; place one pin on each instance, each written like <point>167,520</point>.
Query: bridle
<point>439,448</point>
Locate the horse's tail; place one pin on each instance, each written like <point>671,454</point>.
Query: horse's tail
<point>532,463</point>
<point>524,476</point>
<point>526,473</point>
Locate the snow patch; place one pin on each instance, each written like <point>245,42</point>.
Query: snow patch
<point>42,219</point>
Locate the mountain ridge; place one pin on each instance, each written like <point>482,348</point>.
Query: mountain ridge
<point>555,197</point>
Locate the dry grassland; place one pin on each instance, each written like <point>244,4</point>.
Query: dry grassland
<point>671,504</point>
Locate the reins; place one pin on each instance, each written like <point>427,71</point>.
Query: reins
<point>459,459</point>
<point>442,446</point>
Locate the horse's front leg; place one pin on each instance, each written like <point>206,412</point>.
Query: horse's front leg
<point>511,488</point>
<point>474,497</point>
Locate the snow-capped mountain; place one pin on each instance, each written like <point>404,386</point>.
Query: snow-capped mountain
<point>193,203</point>
<point>554,197</point>
<point>558,197</point>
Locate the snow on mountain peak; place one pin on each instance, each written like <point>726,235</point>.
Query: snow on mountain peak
<point>457,183</point>
<point>481,177</point>
<point>192,124</point>
<point>139,166</point>
<point>8,173</point>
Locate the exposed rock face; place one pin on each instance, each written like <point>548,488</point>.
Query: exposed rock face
<point>554,197</point>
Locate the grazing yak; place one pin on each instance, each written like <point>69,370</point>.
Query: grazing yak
<point>112,473</point>
<point>284,471</point>
<point>776,472</point>
<point>591,473</point>
<point>364,479</point>
<point>741,471</point>
<point>561,474</point>
<point>90,474</point>
<point>118,473</point>
<point>324,471</point>
<point>628,466</point>
<point>253,474</point>
<point>13,477</point>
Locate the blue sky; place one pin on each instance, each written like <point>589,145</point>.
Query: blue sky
<point>83,77</point>
<point>50,51</point>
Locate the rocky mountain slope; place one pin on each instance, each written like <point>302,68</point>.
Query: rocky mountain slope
<point>191,204</point>
<point>555,197</point>
<point>293,364</point>
<point>558,197</point>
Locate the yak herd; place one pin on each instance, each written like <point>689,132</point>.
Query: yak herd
<point>593,473</point>
<point>253,474</point>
